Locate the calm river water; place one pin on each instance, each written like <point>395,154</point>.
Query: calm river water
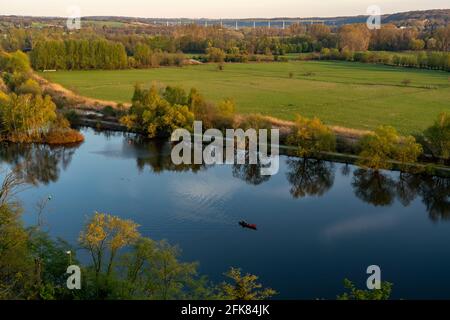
<point>318,222</point>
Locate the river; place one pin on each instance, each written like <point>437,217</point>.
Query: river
<point>318,222</point>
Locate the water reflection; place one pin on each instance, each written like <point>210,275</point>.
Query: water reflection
<point>38,164</point>
<point>374,187</point>
<point>156,155</point>
<point>42,164</point>
<point>309,177</point>
<point>381,189</point>
<point>435,192</point>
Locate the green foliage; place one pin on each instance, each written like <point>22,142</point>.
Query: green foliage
<point>311,137</point>
<point>154,115</point>
<point>244,287</point>
<point>25,118</point>
<point>153,271</point>
<point>384,145</point>
<point>78,54</point>
<point>358,294</point>
<point>438,136</point>
<point>220,116</point>
<point>104,236</point>
<point>215,55</point>
<point>15,262</point>
<point>14,62</point>
<point>30,86</point>
<point>176,95</point>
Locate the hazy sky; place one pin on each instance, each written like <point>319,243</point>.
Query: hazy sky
<point>213,8</point>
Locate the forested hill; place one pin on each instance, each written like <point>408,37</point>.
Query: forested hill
<point>414,18</point>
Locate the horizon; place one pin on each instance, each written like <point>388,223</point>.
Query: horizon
<point>196,9</point>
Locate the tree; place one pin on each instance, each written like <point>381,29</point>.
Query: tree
<point>153,271</point>
<point>215,54</point>
<point>437,137</point>
<point>358,294</point>
<point>175,95</point>
<point>354,37</point>
<point>25,118</point>
<point>105,234</point>
<point>16,266</point>
<point>384,145</point>
<point>154,115</point>
<point>311,137</point>
<point>244,287</point>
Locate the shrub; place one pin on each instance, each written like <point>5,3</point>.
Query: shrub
<point>437,137</point>
<point>30,86</point>
<point>215,54</point>
<point>385,144</point>
<point>255,121</point>
<point>311,137</point>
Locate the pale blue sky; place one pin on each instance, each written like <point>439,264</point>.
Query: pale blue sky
<point>213,8</point>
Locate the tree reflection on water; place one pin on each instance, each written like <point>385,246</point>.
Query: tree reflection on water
<point>380,189</point>
<point>37,163</point>
<point>309,177</point>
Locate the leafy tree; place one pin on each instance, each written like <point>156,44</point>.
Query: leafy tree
<point>25,118</point>
<point>106,235</point>
<point>354,37</point>
<point>358,294</point>
<point>154,115</point>
<point>176,95</point>
<point>384,145</point>
<point>244,287</point>
<point>215,54</point>
<point>437,136</point>
<point>311,137</point>
<point>153,271</point>
<point>15,262</point>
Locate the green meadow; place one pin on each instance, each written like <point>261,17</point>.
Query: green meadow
<point>353,95</point>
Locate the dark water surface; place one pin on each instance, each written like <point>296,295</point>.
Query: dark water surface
<point>318,222</point>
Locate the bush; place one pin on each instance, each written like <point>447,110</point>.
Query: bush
<point>255,121</point>
<point>311,137</point>
<point>437,137</point>
<point>57,136</point>
<point>215,54</point>
<point>385,144</point>
<point>30,86</point>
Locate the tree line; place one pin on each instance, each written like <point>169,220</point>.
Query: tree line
<point>94,48</point>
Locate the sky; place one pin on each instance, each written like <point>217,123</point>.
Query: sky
<point>213,8</point>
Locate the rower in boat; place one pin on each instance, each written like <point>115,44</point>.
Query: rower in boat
<point>244,224</point>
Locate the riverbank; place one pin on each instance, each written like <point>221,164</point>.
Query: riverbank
<point>340,157</point>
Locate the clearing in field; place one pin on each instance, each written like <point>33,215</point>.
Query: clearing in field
<point>353,95</point>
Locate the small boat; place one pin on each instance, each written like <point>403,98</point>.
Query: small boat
<point>244,224</point>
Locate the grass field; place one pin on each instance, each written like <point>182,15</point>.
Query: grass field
<point>353,95</point>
